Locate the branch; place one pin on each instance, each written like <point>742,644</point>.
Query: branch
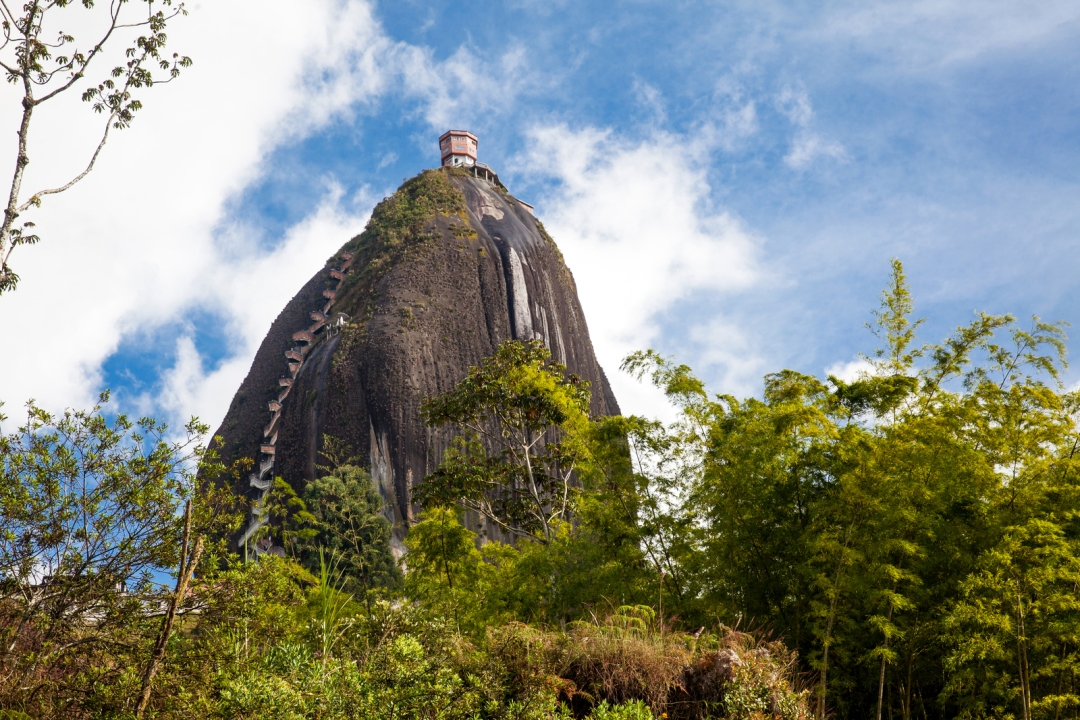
<point>566,495</point>
<point>532,443</point>
<point>147,21</point>
<point>35,199</point>
<point>484,508</point>
<point>115,14</point>
<point>9,16</point>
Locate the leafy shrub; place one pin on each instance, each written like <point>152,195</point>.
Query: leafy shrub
<point>261,695</point>
<point>761,684</point>
<point>634,710</point>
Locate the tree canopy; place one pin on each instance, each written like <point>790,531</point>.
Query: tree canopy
<point>911,532</point>
<point>525,426</point>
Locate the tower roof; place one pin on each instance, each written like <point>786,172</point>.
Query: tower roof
<point>463,133</point>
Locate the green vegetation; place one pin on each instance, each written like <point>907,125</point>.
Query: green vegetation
<point>89,511</point>
<point>911,534</point>
<point>401,224</point>
<point>535,418</point>
<point>551,243</point>
<point>349,523</point>
<point>904,545</point>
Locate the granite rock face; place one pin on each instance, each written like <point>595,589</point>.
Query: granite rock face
<point>448,268</point>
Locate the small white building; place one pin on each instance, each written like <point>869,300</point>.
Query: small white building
<point>458,148</point>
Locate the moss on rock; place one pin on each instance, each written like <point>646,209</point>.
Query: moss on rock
<point>400,226</point>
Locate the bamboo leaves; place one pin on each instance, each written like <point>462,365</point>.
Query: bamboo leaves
<point>912,532</point>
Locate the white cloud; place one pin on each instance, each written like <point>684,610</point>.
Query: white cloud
<point>729,354</point>
<point>795,103</point>
<point>634,222</point>
<point>739,123</point>
<point>806,145</point>
<point>851,370</point>
<point>137,244</point>
<point>737,115</point>
<point>464,86</point>
<point>650,99</point>
<point>924,35</point>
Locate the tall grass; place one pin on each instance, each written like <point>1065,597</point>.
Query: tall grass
<point>331,619</point>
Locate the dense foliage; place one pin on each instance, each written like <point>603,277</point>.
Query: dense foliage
<point>903,543</point>
<point>347,513</point>
<point>89,515</point>
<point>912,534</point>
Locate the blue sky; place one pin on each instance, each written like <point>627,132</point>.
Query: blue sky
<point>728,181</point>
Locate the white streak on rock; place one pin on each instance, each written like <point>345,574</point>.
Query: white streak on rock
<point>519,296</point>
<point>382,472</point>
<point>560,349</point>
<point>543,321</point>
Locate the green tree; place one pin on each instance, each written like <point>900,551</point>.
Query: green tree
<point>526,432</point>
<point>288,517</point>
<point>560,485</point>
<point>1015,627</point>
<point>45,66</point>
<point>89,518</point>
<point>599,558</point>
<point>871,522</point>
<point>448,575</point>
<point>350,525</point>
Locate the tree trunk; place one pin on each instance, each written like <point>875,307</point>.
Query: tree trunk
<point>907,687</point>
<point>21,161</point>
<point>822,683</point>
<point>183,580</point>
<point>825,661</point>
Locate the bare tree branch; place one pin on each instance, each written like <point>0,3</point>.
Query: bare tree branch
<point>8,15</point>
<point>36,197</point>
